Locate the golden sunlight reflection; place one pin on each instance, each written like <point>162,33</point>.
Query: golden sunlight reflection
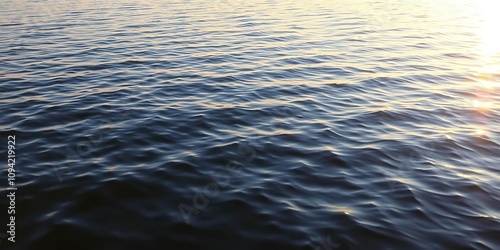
<point>488,84</point>
<point>341,209</point>
<point>489,50</point>
<point>489,47</point>
<point>481,104</point>
<point>489,27</point>
<point>480,132</point>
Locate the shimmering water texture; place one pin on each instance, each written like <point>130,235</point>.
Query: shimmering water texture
<point>252,124</point>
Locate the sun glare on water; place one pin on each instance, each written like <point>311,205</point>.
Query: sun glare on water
<point>490,21</point>
<point>489,52</point>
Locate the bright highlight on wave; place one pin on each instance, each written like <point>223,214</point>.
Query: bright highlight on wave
<point>489,28</point>
<point>480,132</point>
<point>481,104</point>
<point>488,84</point>
<point>489,50</point>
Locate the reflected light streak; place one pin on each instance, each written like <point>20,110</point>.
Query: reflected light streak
<point>488,84</point>
<point>481,104</point>
<point>489,49</point>
<point>489,28</point>
<point>480,132</point>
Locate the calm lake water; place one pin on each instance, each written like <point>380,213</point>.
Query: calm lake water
<point>348,124</point>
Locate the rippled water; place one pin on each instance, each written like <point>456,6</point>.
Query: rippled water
<point>252,124</point>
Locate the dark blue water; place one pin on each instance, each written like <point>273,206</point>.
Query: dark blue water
<point>251,124</point>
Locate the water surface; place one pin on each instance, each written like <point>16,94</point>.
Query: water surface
<point>253,124</point>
